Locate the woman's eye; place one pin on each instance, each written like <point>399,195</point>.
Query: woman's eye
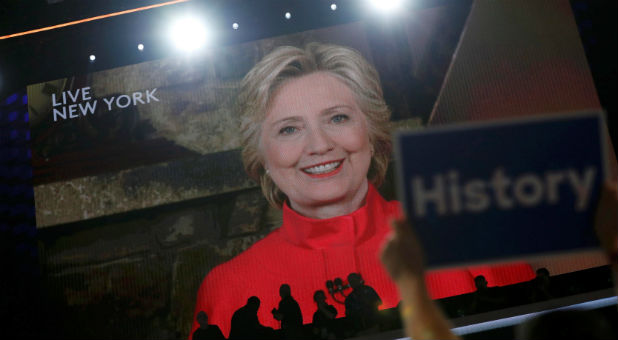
<point>288,130</point>
<point>340,118</point>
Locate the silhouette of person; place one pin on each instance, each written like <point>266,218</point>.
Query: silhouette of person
<point>484,298</point>
<point>206,331</point>
<point>541,286</point>
<point>288,313</point>
<point>245,323</point>
<point>361,306</point>
<point>323,317</point>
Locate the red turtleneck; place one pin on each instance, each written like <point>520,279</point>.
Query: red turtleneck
<point>306,252</point>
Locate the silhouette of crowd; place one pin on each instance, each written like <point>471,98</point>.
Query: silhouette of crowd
<point>362,314</point>
<point>361,306</point>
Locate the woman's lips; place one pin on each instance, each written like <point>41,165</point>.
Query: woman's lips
<point>325,169</point>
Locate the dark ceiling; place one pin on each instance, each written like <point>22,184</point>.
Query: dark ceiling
<point>62,52</point>
<point>23,15</point>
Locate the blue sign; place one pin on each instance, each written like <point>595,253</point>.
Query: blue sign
<point>482,192</point>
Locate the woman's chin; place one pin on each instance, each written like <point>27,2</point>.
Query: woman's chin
<point>323,195</point>
<point>317,199</point>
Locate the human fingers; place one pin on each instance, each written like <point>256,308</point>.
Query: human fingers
<point>403,250</point>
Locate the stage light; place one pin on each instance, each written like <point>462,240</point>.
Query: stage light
<point>386,5</point>
<point>188,34</point>
<point>140,47</point>
<point>92,57</point>
<point>333,7</point>
<point>288,15</point>
<point>235,25</point>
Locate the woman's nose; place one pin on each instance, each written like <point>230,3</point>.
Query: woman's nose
<point>319,142</point>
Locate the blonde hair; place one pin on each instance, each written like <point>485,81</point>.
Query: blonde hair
<point>287,62</point>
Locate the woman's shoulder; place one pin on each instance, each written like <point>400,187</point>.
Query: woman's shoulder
<point>388,207</point>
<point>394,208</point>
<point>247,261</point>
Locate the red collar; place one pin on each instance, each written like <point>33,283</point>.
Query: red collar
<point>346,230</point>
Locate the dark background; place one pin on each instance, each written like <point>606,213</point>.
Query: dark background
<point>64,52</point>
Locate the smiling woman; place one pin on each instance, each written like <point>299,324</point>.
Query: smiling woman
<point>317,149</point>
<point>321,68</point>
<point>315,136</point>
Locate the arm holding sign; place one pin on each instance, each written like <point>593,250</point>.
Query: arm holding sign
<point>403,259</point>
<point>421,316</point>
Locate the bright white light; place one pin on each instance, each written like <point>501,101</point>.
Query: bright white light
<point>235,25</point>
<point>288,15</point>
<point>386,5</point>
<point>140,47</point>
<point>92,57</point>
<point>188,34</point>
<point>333,7</point>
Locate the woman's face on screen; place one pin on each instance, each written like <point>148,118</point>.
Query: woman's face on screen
<point>315,142</point>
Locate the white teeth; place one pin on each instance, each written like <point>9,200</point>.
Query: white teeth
<point>321,169</point>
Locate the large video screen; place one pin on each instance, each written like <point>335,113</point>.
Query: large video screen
<point>174,186</point>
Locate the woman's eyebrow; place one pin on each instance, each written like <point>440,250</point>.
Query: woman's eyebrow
<point>291,119</point>
<point>335,108</point>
